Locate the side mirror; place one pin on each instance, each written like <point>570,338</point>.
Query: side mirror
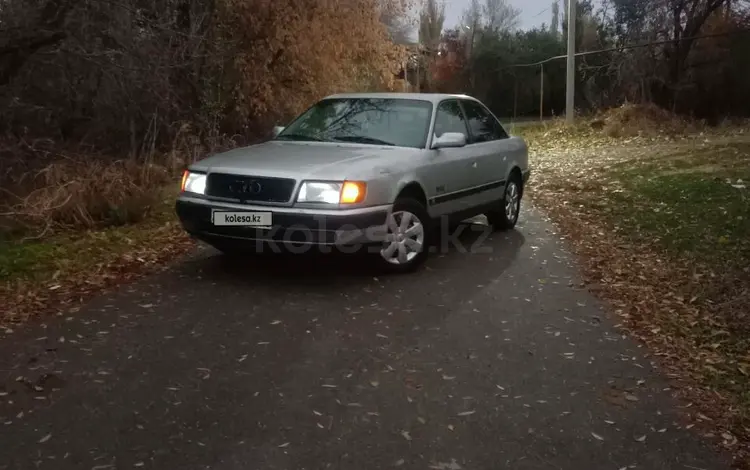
<point>277,130</point>
<point>449,140</point>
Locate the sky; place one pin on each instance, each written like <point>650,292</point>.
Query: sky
<point>533,12</point>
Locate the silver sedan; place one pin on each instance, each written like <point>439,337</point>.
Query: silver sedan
<point>378,171</point>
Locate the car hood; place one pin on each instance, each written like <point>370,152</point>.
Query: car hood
<point>298,160</point>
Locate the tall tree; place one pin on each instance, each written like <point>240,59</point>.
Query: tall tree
<point>677,20</point>
<point>688,18</point>
<point>500,16</point>
<point>399,21</point>
<point>555,25</point>
<point>471,22</point>
<point>431,21</point>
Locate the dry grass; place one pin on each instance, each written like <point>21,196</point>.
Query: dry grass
<point>47,188</point>
<point>59,272</point>
<point>630,120</point>
<point>73,222</point>
<point>85,194</point>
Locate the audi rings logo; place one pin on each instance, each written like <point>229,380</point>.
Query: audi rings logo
<point>242,187</point>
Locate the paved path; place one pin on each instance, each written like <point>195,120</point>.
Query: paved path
<point>482,361</point>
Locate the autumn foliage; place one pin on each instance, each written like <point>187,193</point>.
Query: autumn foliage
<point>308,49</point>
<point>163,82</point>
<point>451,61</point>
<point>127,77</point>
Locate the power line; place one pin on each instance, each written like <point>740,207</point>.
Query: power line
<point>634,46</point>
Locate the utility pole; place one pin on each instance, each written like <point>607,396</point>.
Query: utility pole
<point>570,92</point>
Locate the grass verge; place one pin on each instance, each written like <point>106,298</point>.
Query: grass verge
<point>54,274</point>
<point>662,227</point>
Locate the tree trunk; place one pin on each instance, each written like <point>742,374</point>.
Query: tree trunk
<point>15,53</point>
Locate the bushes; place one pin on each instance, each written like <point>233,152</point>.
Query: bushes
<point>82,193</point>
<point>630,120</point>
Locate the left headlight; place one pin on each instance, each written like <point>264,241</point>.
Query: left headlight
<point>332,192</point>
<point>193,182</point>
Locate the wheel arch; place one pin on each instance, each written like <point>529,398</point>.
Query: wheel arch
<point>515,171</point>
<point>411,189</point>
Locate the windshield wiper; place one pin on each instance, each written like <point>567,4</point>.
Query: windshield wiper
<point>362,139</point>
<point>299,137</point>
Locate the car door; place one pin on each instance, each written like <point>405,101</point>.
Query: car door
<point>493,151</point>
<point>447,174</point>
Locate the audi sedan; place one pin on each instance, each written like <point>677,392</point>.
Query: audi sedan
<point>376,171</point>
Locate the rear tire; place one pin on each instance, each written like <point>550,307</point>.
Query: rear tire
<point>505,215</point>
<point>408,238</point>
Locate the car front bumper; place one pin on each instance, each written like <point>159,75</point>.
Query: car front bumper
<point>344,227</point>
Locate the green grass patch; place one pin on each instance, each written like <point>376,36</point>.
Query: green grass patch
<point>692,214</point>
<point>694,201</point>
<point>80,251</point>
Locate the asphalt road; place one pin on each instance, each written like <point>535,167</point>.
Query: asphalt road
<point>485,360</point>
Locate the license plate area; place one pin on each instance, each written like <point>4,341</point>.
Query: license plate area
<point>241,219</point>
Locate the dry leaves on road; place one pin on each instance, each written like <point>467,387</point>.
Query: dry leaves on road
<point>89,267</point>
<point>654,276</point>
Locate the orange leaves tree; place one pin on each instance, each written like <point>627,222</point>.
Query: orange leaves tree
<point>285,55</point>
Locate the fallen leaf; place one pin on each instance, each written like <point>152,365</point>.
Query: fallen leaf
<point>597,436</point>
<point>45,438</point>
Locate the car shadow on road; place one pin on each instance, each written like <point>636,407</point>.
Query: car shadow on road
<point>464,245</point>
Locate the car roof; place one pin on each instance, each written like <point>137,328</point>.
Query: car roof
<point>432,97</point>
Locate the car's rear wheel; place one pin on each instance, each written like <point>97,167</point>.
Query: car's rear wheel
<point>505,214</point>
<point>408,237</point>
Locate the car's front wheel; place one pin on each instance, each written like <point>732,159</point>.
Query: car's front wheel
<point>505,214</point>
<point>407,239</point>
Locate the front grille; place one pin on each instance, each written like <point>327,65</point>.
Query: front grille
<point>249,188</point>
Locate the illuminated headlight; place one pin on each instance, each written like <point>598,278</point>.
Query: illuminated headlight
<point>313,191</point>
<point>193,182</point>
<point>344,192</point>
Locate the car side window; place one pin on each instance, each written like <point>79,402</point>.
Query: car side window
<point>450,118</point>
<point>483,125</point>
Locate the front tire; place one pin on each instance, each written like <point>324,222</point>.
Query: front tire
<point>408,237</point>
<point>505,215</point>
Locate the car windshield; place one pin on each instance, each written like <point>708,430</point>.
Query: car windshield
<point>375,121</point>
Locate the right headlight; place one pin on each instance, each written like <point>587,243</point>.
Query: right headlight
<point>332,192</point>
<point>193,182</point>
<point>319,191</point>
